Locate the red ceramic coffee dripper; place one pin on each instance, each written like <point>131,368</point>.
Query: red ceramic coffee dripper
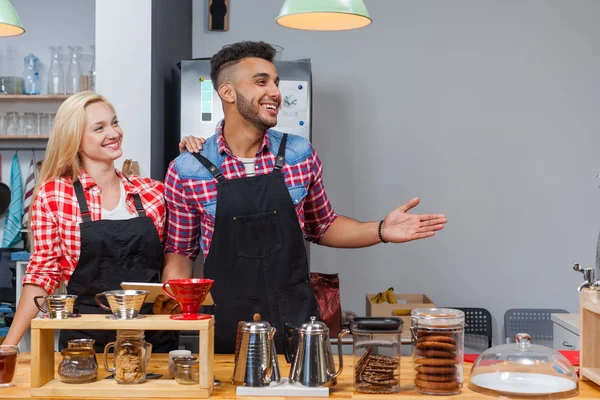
<point>190,294</point>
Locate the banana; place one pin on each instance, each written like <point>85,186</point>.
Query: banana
<point>390,297</point>
<point>378,298</point>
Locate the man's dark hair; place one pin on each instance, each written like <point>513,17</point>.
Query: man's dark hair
<point>234,53</point>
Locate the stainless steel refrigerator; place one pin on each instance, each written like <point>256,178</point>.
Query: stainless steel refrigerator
<point>201,108</point>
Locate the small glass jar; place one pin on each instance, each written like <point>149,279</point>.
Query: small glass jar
<point>78,365</point>
<point>173,362</point>
<point>187,372</point>
<point>437,350</point>
<point>130,360</point>
<point>377,352</point>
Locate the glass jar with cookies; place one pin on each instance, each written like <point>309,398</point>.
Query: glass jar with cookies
<point>377,352</point>
<point>437,350</point>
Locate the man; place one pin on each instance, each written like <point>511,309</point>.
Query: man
<point>256,194</point>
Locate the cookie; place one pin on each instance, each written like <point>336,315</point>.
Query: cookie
<point>435,370</point>
<point>436,378</point>
<point>436,362</point>
<point>386,382</point>
<point>437,391</point>
<point>425,332</point>
<point>436,346</point>
<point>434,338</point>
<point>437,385</point>
<point>436,354</point>
<point>361,364</point>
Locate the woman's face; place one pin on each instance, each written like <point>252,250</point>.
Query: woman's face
<point>102,135</point>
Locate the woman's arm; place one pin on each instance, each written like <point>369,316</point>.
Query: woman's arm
<point>43,272</point>
<point>26,311</point>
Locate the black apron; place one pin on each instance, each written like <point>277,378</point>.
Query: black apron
<point>115,251</point>
<point>257,256</point>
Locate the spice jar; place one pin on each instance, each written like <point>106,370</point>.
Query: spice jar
<point>173,363</point>
<point>438,350</point>
<point>78,365</point>
<point>376,353</point>
<point>130,358</point>
<point>176,353</point>
<point>187,372</point>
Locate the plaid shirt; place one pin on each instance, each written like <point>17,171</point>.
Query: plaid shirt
<point>56,218</point>
<point>186,198</point>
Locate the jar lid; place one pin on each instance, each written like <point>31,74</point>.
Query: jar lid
<point>437,317</point>
<point>77,351</point>
<point>523,369</point>
<point>376,324</point>
<point>314,327</point>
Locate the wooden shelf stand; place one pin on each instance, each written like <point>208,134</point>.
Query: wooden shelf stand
<point>589,350</point>
<point>45,384</point>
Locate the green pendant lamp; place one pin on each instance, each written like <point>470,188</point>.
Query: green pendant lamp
<point>324,15</point>
<point>10,23</point>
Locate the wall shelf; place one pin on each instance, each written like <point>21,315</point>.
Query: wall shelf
<point>22,137</point>
<point>34,97</point>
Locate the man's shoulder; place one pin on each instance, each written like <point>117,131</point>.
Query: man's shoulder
<point>297,148</point>
<point>187,165</point>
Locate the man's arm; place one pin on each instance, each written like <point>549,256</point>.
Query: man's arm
<point>324,226</point>
<point>398,227</point>
<point>177,267</point>
<point>182,243</point>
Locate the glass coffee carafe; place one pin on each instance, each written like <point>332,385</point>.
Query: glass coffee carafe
<point>73,81</point>
<point>56,74</point>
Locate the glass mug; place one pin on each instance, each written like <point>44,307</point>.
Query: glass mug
<point>8,364</point>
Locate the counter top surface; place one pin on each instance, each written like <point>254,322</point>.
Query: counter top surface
<point>224,368</point>
<point>569,321</point>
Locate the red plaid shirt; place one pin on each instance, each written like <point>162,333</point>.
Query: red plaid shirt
<point>185,197</point>
<point>56,218</point>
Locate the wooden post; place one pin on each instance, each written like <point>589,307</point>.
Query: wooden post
<point>42,357</point>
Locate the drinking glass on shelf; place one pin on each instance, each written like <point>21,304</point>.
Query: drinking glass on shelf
<point>12,123</point>
<point>2,124</point>
<point>30,123</point>
<point>45,126</point>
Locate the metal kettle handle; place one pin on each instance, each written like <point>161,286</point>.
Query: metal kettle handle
<point>288,348</point>
<point>269,347</point>
<point>341,358</point>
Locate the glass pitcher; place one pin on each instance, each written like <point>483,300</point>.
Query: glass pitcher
<point>131,357</point>
<point>56,75</point>
<point>92,73</point>
<point>73,81</point>
<point>31,75</point>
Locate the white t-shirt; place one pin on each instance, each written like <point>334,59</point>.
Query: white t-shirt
<point>249,165</point>
<point>120,211</point>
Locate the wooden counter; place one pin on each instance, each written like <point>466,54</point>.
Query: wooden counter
<point>224,367</point>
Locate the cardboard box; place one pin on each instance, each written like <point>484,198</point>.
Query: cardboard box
<point>406,303</point>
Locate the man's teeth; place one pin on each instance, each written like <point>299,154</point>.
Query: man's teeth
<point>270,106</point>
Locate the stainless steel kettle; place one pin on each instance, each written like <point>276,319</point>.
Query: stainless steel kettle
<point>312,360</point>
<point>255,356</point>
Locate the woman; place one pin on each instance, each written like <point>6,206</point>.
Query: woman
<point>92,226</point>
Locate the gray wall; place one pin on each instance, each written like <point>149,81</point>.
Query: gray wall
<point>171,42</point>
<point>487,110</point>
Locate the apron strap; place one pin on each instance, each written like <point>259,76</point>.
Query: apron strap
<point>210,167</point>
<point>281,153</point>
<point>138,205</point>
<point>83,208</point>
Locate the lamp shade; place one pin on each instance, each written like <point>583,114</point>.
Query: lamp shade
<point>324,15</point>
<point>10,23</point>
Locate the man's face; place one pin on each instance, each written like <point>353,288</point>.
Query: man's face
<point>256,85</point>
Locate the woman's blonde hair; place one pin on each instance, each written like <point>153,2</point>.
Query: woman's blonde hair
<point>62,153</point>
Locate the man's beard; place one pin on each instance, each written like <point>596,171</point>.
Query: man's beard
<point>252,114</point>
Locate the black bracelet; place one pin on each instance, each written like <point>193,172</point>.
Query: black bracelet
<point>379,232</point>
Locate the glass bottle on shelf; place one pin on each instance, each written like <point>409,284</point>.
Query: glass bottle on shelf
<point>73,81</point>
<point>31,75</point>
<point>10,81</point>
<point>92,73</point>
<point>56,75</point>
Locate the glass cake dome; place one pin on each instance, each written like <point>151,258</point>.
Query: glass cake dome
<point>522,369</point>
